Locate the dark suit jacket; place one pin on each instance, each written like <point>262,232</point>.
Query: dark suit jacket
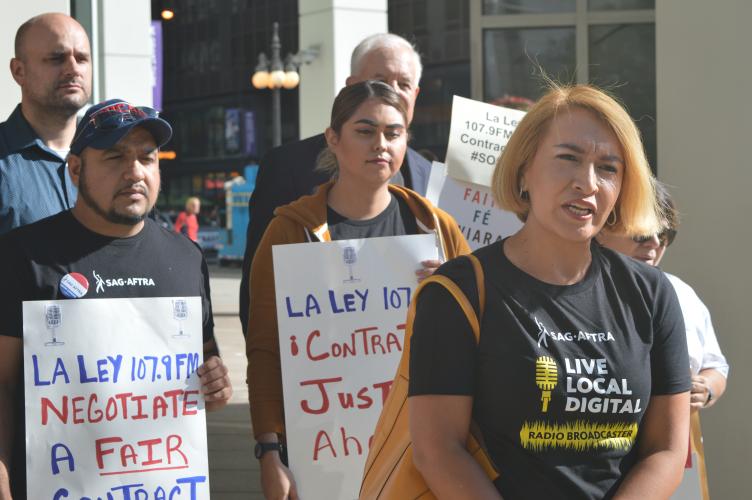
<point>285,174</point>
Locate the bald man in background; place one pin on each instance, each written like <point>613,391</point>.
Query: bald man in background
<point>52,65</point>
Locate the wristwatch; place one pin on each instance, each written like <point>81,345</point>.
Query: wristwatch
<point>262,448</point>
<point>710,397</point>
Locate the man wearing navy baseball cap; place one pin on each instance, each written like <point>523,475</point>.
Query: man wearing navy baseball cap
<point>114,133</point>
<point>105,247</point>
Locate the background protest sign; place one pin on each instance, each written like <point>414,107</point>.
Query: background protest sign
<point>472,206</point>
<point>113,401</point>
<point>341,308</point>
<point>477,136</point>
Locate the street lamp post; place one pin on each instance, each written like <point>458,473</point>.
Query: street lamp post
<point>274,74</point>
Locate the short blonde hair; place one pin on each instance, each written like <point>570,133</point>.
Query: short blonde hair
<point>191,201</point>
<point>636,208</point>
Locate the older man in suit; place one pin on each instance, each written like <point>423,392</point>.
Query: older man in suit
<point>287,172</point>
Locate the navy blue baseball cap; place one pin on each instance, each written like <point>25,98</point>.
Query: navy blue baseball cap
<point>104,124</point>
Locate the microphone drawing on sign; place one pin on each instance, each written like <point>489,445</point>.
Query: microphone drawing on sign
<point>180,313</point>
<point>53,316</point>
<point>350,257</point>
<point>546,373</point>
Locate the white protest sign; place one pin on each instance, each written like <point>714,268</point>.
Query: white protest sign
<point>341,308</point>
<point>113,402</point>
<point>472,206</point>
<point>477,136</point>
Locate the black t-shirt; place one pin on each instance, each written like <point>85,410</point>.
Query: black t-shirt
<point>563,374</point>
<point>50,259</point>
<point>395,220</point>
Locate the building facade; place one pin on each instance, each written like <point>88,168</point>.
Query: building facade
<point>221,122</point>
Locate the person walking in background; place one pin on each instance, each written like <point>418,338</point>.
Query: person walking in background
<point>367,140</point>
<point>187,221</point>
<point>52,65</point>
<point>580,383</point>
<point>706,361</point>
<point>288,172</point>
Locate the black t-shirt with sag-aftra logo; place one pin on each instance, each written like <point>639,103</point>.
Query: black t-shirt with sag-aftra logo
<point>563,374</point>
<point>58,258</point>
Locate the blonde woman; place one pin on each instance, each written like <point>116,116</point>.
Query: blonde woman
<point>187,221</point>
<point>580,384</point>
<point>367,140</point>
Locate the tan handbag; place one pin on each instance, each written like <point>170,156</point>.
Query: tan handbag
<point>390,472</point>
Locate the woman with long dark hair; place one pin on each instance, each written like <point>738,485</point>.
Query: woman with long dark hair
<point>367,140</point>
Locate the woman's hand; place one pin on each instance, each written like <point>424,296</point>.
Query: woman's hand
<point>700,392</point>
<point>709,383</point>
<point>277,482</point>
<point>429,267</point>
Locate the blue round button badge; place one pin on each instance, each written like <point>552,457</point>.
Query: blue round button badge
<point>74,285</point>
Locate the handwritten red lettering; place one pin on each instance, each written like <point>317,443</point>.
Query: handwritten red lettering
<point>92,409</point>
<point>322,435</point>
<point>174,442</point>
<point>384,386</point>
<point>364,341</point>
<point>145,453</point>
<point>346,439</point>
<point>77,410</point>
<point>366,400</point>
<point>349,445</point>
<point>311,337</point>
<point>127,452</point>
<point>346,399</point>
<point>190,403</point>
<point>173,394</point>
<point>321,384</point>
<point>100,451</point>
<point>150,443</point>
<point>139,408</point>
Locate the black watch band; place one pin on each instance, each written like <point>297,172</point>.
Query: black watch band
<point>262,448</point>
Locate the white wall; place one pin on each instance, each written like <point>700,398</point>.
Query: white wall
<point>704,131</point>
<point>14,14</point>
<point>338,26</point>
<point>124,56</point>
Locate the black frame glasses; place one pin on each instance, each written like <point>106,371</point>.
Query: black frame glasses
<point>665,237</point>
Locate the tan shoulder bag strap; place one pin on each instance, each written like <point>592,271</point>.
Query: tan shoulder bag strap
<point>481,283</point>
<point>459,296</point>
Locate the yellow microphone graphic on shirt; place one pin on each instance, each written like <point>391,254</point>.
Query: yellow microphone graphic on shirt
<point>546,373</point>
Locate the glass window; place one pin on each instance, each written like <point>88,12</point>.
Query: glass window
<point>512,59</point>
<point>622,60</point>
<point>621,4</point>
<point>494,7</point>
<point>433,110</point>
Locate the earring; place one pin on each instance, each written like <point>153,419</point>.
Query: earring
<point>609,221</point>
